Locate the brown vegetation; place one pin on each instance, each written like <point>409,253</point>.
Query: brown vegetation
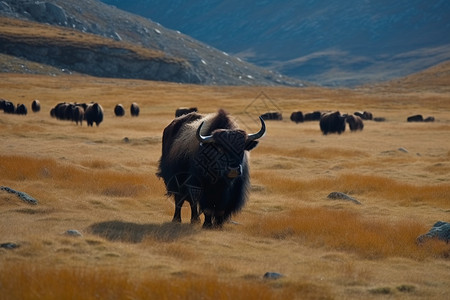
<point>96,181</point>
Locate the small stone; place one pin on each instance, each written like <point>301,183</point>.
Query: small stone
<point>73,232</point>
<point>401,149</point>
<point>272,275</point>
<point>342,196</point>
<point>126,140</point>
<point>9,246</point>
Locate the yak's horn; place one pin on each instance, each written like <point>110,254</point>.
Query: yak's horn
<point>203,139</point>
<point>260,133</point>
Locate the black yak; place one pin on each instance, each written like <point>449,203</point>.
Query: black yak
<point>36,106</point>
<point>415,118</point>
<point>184,111</point>
<point>119,111</point>
<point>8,106</point>
<point>21,109</point>
<point>205,161</point>
<point>272,115</point>
<point>332,122</point>
<point>314,116</point>
<point>93,114</point>
<point>134,109</point>
<point>354,122</point>
<point>297,117</point>
<point>365,115</point>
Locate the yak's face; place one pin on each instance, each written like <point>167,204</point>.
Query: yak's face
<point>222,154</point>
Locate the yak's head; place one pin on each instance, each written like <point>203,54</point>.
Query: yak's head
<point>221,154</point>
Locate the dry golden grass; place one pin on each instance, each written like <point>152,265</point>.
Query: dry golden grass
<point>91,180</point>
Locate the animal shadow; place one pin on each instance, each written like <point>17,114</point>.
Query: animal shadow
<point>135,233</point>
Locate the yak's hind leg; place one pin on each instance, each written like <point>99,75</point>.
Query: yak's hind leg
<point>194,211</point>
<point>207,224</point>
<point>179,200</point>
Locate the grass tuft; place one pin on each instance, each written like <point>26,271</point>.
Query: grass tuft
<point>24,281</point>
<point>349,231</point>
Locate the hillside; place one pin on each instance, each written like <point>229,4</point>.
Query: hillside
<point>178,57</point>
<point>87,53</point>
<point>100,182</point>
<point>330,43</point>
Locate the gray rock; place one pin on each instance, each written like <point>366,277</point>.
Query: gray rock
<point>440,230</point>
<point>401,149</point>
<point>24,196</point>
<point>9,246</point>
<point>342,196</point>
<point>5,7</point>
<point>55,13</point>
<point>272,275</point>
<point>73,232</point>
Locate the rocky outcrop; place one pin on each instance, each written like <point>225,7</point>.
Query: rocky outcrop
<point>98,59</point>
<point>201,63</point>
<point>440,231</point>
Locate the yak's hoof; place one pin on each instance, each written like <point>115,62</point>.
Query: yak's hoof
<point>195,221</point>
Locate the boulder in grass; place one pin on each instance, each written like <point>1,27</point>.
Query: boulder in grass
<point>342,196</point>
<point>440,231</point>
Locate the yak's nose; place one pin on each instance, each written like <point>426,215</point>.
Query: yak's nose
<point>234,172</point>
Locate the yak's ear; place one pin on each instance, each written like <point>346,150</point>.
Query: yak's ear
<point>250,145</point>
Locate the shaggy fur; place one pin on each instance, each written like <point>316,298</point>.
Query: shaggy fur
<point>183,158</point>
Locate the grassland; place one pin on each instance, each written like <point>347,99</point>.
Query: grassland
<point>91,180</point>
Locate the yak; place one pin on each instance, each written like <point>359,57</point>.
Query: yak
<point>21,109</point>
<point>93,114</point>
<point>354,122</point>
<point>205,161</point>
<point>365,115</point>
<point>297,117</point>
<point>332,122</point>
<point>272,115</point>
<point>119,111</point>
<point>184,111</point>
<point>7,106</point>
<point>35,106</point>
<point>78,114</point>
<point>313,116</point>
<point>134,109</point>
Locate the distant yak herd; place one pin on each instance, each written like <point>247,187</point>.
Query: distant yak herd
<point>76,112</point>
<point>93,113</point>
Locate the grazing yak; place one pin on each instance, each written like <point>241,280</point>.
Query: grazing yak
<point>134,109</point>
<point>272,115</point>
<point>184,111</point>
<point>332,122</point>
<point>419,118</point>
<point>93,114</point>
<point>69,111</point>
<point>314,116</point>
<point>35,106</point>
<point>119,111</point>
<point>205,162</point>
<point>354,122</point>
<point>365,115</point>
<point>297,117</point>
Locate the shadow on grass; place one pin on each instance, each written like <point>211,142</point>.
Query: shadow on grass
<point>135,233</point>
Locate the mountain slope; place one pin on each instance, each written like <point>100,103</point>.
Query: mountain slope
<point>196,62</point>
<point>344,42</point>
